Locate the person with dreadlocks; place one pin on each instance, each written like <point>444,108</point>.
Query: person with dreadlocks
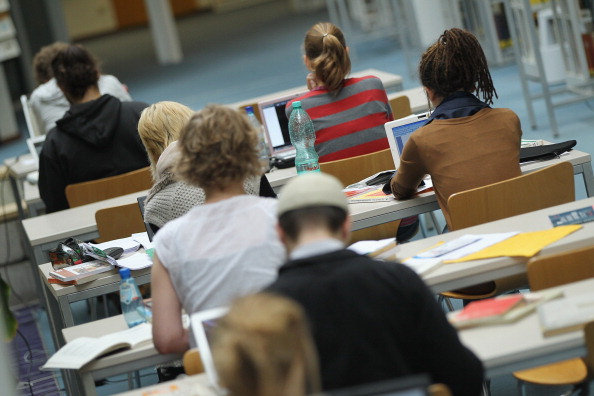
<point>465,143</point>
<point>348,114</point>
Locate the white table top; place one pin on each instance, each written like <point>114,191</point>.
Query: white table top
<point>101,327</point>
<point>455,275</point>
<point>71,222</point>
<point>417,98</point>
<point>521,345</point>
<point>388,79</point>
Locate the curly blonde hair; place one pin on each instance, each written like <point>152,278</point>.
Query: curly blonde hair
<point>326,49</point>
<point>160,125</point>
<point>218,146</point>
<point>263,345</point>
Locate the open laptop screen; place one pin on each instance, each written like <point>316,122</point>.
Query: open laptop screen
<point>398,132</point>
<point>276,123</point>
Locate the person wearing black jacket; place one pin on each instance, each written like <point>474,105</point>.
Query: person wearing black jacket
<point>370,320</point>
<point>96,138</point>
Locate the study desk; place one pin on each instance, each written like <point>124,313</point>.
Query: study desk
<point>59,297</point>
<point>457,275</point>
<point>142,356</point>
<point>195,385</point>
<point>506,348</point>
<point>391,82</point>
<point>44,232</point>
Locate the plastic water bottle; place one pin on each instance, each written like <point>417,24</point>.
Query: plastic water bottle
<point>303,138</point>
<point>130,298</point>
<point>264,152</point>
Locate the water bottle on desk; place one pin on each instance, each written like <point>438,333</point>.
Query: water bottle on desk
<point>303,137</point>
<point>264,152</point>
<point>131,299</point>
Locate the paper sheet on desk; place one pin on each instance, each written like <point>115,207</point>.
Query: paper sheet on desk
<point>143,239</point>
<point>136,261</point>
<point>526,244</point>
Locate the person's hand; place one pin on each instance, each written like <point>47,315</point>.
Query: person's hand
<point>312,83</point>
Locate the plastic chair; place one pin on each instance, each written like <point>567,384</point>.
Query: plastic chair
<point>549,271</point>
<point>400,107</point>
<point>550,186</point>
<point>109,187</point>
<point>31,118</point>
<point>119,222</point>
<point>193,362</point>
<point>351,170</point>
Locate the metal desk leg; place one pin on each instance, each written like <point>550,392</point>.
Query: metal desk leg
<point>588,178</point>
<point>17,196</point>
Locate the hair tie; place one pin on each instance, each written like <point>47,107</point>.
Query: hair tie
<point>324,35</point>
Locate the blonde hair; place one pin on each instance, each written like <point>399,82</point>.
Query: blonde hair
<point>218,146</point>
<point>260,345</point>
<point>326,49</point>
<point>160,125</point>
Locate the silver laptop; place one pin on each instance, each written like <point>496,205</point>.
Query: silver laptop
<point>398,132</point>
<point>276,125</point>
<point>203,323</point>
<point>35,144</point>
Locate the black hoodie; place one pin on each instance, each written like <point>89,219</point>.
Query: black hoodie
<point>93,140</point>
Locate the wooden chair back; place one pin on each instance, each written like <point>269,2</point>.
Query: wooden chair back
<point>193,362</point>
<point>119,222</point>
<point>439,390</point>
<point>561,268</point>
<point>400,107</point>
<point>351,170</point>
<point>553,185</point>
<point>109,187</point>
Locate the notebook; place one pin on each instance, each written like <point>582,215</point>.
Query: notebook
<point>35,144</point>
<point>202,324</point>
<point>276,125</point>
<point>398,132</point>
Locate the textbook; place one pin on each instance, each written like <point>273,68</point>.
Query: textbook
<point>372,195</point>
<point>500,310</point>
<point>566,314</point>
<point>82,280</point>
<point>83,350</point>
<point>80,271</point>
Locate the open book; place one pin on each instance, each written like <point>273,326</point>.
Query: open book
<point>501,309</point>
<point>82,350</point>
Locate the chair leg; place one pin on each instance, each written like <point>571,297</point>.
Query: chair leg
<point>486,391</point>
<point>441,299</point>
<point>435,222</point>
<point>521,388</point>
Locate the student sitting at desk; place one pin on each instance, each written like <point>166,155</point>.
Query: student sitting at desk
<point>348,114</point>
<point>96,138</point>
<point>159,128</point>
<point>223,249</point>
<point>465,143</point>
<point>48,101</point>
<point>263,347</point>
<point>371,320</point>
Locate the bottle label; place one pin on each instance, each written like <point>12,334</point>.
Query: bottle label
<point>308,167</point>
<point>127,295</point>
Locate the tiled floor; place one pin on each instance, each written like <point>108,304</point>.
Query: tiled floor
<point>237,55</point>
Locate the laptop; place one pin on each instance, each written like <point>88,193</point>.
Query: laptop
<point>398,132</point>
<point>35,145</point>
<point>276,125</point>
<point>202,324</point>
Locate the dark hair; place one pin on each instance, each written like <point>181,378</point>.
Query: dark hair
<point>75,70</point>
<point>325,47</point>
<point>457,62</point>
<point>42,62</point>
<point>295,221</point>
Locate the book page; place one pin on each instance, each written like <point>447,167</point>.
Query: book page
<point>82,350</point>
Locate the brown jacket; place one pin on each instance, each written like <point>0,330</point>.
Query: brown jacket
<point>460,154</point>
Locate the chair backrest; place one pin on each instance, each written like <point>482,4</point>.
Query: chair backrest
<point>30,118</point>
<point>561,268</point>
<point>351,170</point>
<point>553,185</point>
<point>109,187</point>
<point>400,107</point>
<point>119,222</point>
<point>193,362</point>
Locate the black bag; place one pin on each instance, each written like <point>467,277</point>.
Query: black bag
<point>545,152</point>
